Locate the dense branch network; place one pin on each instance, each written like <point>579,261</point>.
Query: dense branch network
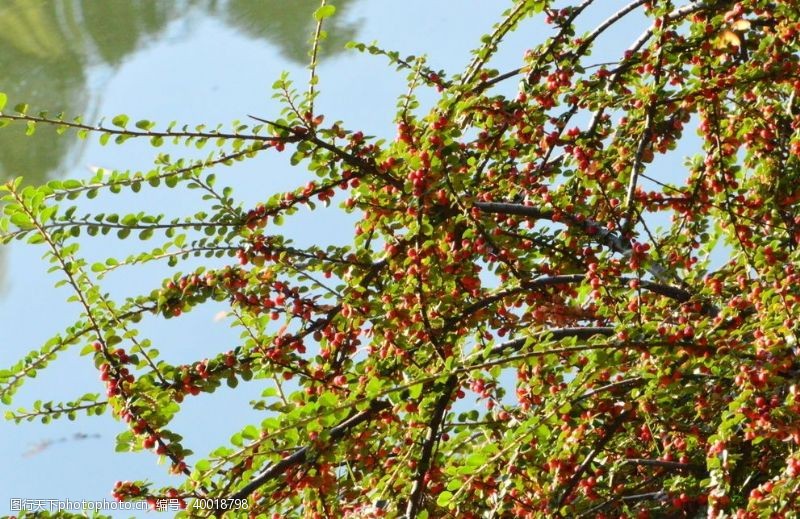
<point>532,318</point>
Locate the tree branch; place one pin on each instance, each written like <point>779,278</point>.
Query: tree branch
<point>693,467</point>
<point>611,240</point>
<point>609,432</point>
<point>424,463</point>
<point>300,455</point>
<point>146,133</point>
<point>559,333</point>
<point>590,227</point>
<point>348,158</point>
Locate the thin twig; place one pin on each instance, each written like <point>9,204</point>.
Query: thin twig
<point>694,467</point>
<point>143,133</point>
<point>312,80</point>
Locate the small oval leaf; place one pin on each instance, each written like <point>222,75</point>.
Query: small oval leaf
<point>121,120</point>
<point>326,11</point>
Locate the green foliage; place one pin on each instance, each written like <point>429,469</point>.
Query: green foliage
<point>47,411</point>
<point>507,334</point>
<point>326,11</point>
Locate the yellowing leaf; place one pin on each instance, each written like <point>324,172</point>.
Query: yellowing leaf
<point>728,37</point>
<point>740,25</point>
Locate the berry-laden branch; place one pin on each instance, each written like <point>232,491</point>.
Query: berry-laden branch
<point>674,465</point>
<point>301,455</point>
<point>607,434</point>
<point>532,316</point>
<point>590,228</point>
<point>360,163</point>
<point>90,300</point>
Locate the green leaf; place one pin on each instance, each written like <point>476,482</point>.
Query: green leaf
<point>21,220</point>
<point>327,399</point>
<point>3,100</point>
<point>444,498</point>
<point>124,442</point>
<point>121,120</point>
<point>374,386</point>
<point>454,484</point>
<point>250,432</point>
<point>326,11</point>
<point>476,459</point>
